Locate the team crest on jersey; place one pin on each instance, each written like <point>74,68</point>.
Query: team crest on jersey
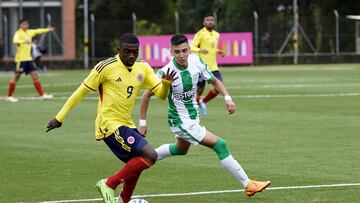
<point>131,140</point>
<point>140,77</point>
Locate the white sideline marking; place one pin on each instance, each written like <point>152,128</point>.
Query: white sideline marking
<point>47,85</point>
<point>352,94</point>
<point>297,95</point>
<point>294,86</point>
<point>212,192</point>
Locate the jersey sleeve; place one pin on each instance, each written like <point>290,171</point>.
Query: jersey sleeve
<point>194,47</point>
<point>160,87</point>
<point>151,79</point>
<point>205,73</point>
<point>94,79</point>
<point>72,101</point>
<point>40,31</point>
<point>16,38</point>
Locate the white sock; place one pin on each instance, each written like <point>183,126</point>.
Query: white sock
<point>234,167</point>
<point>163,151</point>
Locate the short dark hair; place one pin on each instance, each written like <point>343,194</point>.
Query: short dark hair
<point>178,39</point>
<point>22,20</point>
<point>129,38</point>
<point>208,15</point>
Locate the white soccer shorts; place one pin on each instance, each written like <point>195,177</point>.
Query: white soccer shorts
<point>190,132</point>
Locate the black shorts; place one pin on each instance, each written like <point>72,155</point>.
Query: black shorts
<point>217,74</point>
<point>125,143</point>
<point>25,67</point>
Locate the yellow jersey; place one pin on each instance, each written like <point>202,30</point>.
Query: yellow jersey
<point>205,39</point>
<point>23,40</point>
<point>118,88</point>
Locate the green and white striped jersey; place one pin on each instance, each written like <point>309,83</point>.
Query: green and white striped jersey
<point>182,96</point>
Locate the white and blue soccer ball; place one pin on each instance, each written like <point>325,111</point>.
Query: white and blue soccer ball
<point>138,201</point>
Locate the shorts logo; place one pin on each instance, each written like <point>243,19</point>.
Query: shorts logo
<point>131,140</point>
<point>120,140</point>
<point>140,77</point>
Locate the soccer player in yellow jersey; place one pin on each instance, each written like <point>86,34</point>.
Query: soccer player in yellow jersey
<point>24,62</point>
<point>205,44</point>
<point>118,81</point>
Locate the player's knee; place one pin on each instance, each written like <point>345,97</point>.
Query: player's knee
<point>153,156</point>
<point>176,151</point>
<point>221,149</point>
<point>150,154</point>
<point>35,77</point>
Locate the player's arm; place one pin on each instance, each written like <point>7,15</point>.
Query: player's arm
<point>144,104</point>
<point>161,90</point>
<point>43,30</point>
<point>194,47</point>
<point>73,100</point>
<point>220,52</point>
<point>17,40</point>
<point>220,87</point>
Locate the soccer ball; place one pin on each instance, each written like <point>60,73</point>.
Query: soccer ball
<point>138,201</point>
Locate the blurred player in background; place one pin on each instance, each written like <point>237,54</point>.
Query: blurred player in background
<point>119,80</point>
<point>205,44</point>
<point>183,116</point>
<point>36,53</point>
<point>24,62</point>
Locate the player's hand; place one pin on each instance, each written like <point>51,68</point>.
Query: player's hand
<point>170,76</point>
<point>204,51</point>
<point>53,123</point>
<point>221,53</point>
<point>230,106</point>
<point>142,130</point>
<point>51,29</point>
<point>27,41</point>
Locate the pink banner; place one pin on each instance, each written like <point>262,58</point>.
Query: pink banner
<point>238,47</point>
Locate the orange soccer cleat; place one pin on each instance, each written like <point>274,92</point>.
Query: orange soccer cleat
<point>255,186</point>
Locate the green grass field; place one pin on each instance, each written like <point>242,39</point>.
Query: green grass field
<point>294,125</point>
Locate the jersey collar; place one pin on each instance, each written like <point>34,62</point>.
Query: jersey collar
<point>210,32</point>
<point>122,64</point>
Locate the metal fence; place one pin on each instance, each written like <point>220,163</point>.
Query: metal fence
<point>329,34</point>
<point>39,13</point>
<point>321,37</point>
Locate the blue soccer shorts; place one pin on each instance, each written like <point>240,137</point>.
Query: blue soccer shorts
<point>125,143</point>
<point>25,67</point>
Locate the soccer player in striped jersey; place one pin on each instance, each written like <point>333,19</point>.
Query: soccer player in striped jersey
<point>205,44</point>
<point>24,62</point>
<point>183,117</point>
<point>118,81</point>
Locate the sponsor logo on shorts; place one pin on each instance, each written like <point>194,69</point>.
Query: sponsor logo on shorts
<point>131,140</point>
<point>121,141</point>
